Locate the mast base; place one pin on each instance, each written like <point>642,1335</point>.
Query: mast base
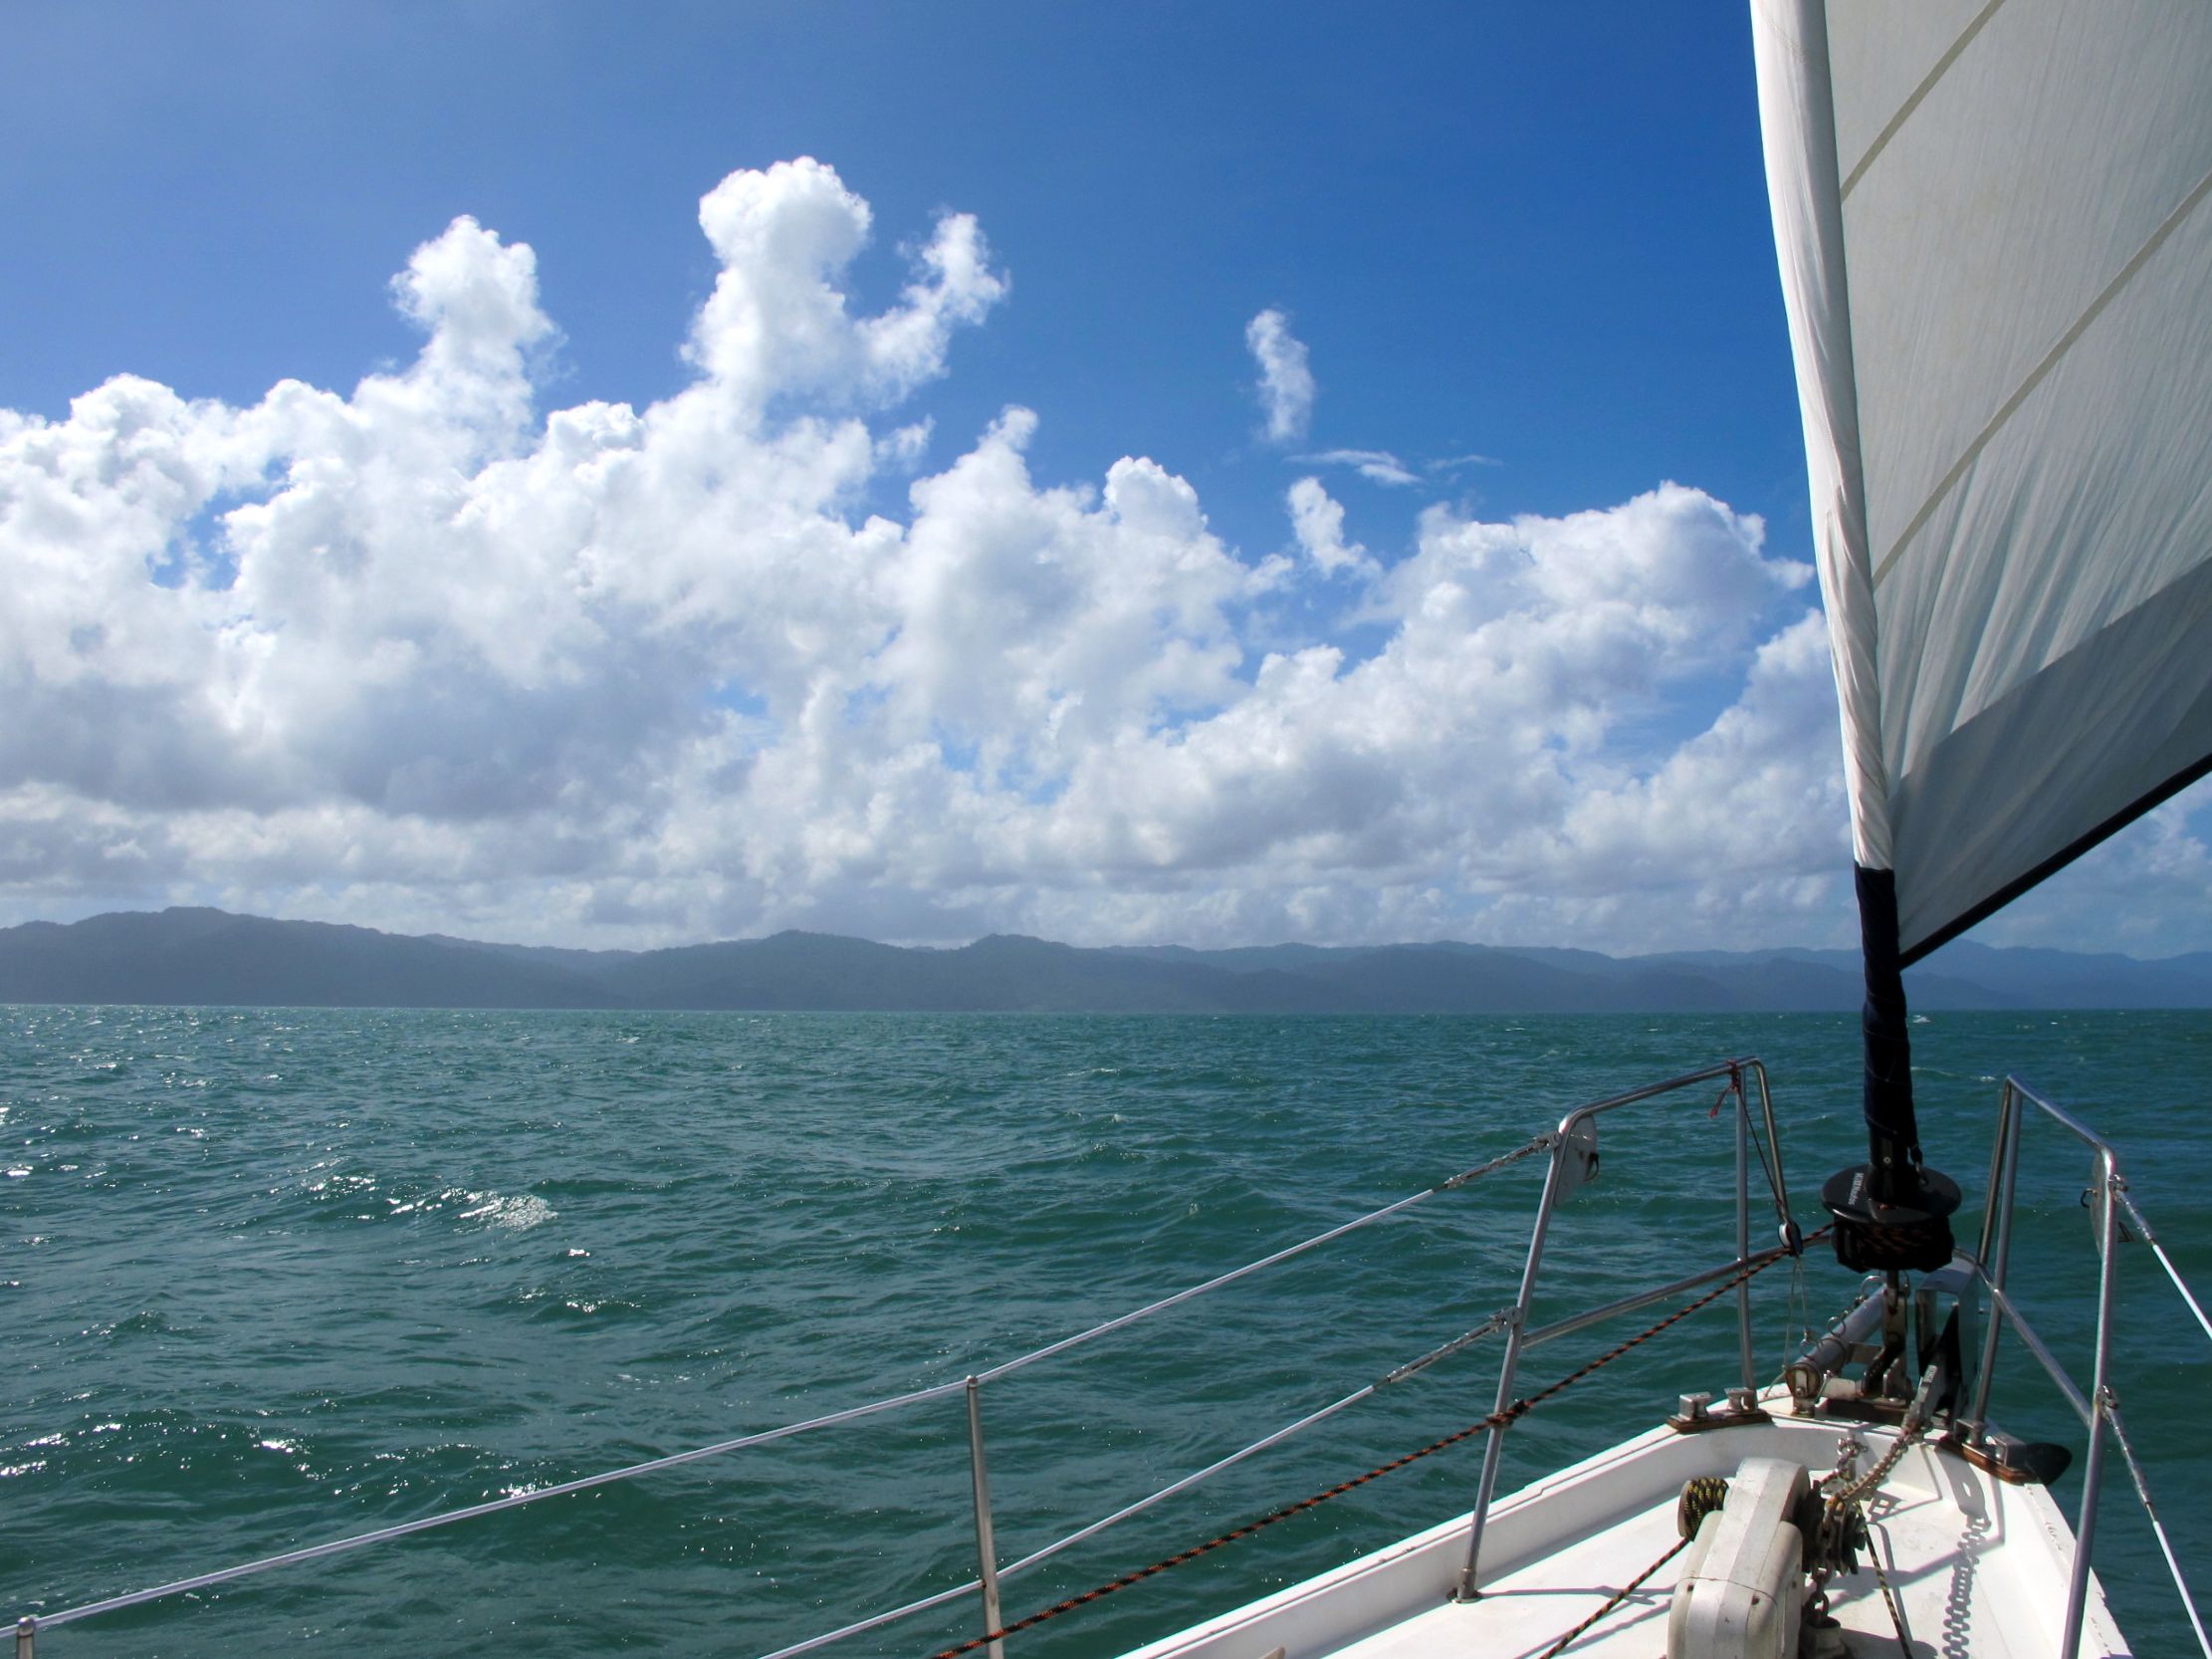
<point>1912,1235</point>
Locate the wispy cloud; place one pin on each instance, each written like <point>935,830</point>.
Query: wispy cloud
<point>1377,465</point>
<point>1285,377</point>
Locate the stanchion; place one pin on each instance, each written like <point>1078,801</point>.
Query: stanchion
<point>987,1549</point>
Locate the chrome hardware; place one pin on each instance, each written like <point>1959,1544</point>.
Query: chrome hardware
<point>987,1551</point>
<point>2107,1199</point>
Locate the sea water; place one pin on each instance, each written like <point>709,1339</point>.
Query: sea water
<point>273,1276</point>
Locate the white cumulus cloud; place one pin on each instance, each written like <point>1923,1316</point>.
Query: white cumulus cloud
<point>1317,520</point>
<point>429,654</point>
<point>1285,379</point>
<point>777,322</point>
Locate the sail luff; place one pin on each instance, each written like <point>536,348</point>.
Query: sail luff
<point>1797,121</point>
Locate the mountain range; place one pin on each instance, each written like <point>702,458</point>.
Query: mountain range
<point>200,956</point>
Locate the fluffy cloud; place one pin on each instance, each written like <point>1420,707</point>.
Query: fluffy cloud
<point>776,324</point>
<point>1317,521</point>
<point>427,655</point>
<point>1285,379</point>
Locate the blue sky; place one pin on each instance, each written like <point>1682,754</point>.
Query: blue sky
<point>1525,252</point>
<point>1537,238</point>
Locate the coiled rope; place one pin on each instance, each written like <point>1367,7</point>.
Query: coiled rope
<point>1702,1494</point>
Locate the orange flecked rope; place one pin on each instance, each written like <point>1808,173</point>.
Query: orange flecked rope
<point>1496,1419</point>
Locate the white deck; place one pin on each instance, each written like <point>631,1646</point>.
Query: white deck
<point>1981,1566</point>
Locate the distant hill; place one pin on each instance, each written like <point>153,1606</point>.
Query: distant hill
<point>203,956</point>
<point>213,957</point>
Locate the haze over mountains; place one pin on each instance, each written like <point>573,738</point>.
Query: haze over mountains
<point>210,957</point>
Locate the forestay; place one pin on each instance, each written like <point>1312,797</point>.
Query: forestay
<point>1997,259</point>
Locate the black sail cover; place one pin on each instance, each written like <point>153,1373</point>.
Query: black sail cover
<point>1996,256</point>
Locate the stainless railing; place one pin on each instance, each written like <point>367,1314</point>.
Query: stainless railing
<point>1571,1160</point>
<point>2099,1408</point>
<point>1576,1139</point>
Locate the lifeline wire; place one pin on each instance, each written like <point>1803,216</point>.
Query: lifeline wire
<point>1036,1557</point>
<point>2165,1547</point>
<point>517,1500</point>
<point>2158,1249</point>
<point>1452,1184</point>
<point>1497,1419</point>
<point>513,1501</point>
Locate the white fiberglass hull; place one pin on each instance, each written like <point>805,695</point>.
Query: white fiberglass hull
<point>1979,1566</point>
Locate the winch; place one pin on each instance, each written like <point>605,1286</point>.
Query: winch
<point>1741,1593</point>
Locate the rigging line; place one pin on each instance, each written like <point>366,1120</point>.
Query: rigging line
<point>1774,1181</point>
<point>1797,1314</point>
<point>2173,1273</point>
<point>1497,1419</point>
<point>1451,1184</point>
<point>1490,1326</point>
<point>2035,376</point>
<point>2165,1548</point>
<point>1734,1085</point>
<point>1890,1598</point>
<point>1620,1596</point>
<point>877,1622</point>
<point>517,1499</point>
<point>513,1501</point>
<point>1184,1485</point>
<point>2158,1249</point>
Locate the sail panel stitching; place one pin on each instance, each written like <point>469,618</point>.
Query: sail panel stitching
<point>2036,375</point>
<point>1928,85</point>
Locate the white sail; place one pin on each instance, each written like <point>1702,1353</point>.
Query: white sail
<point>1997,259</point>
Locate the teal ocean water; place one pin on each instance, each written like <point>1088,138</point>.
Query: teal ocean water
<point>271,1277</point>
